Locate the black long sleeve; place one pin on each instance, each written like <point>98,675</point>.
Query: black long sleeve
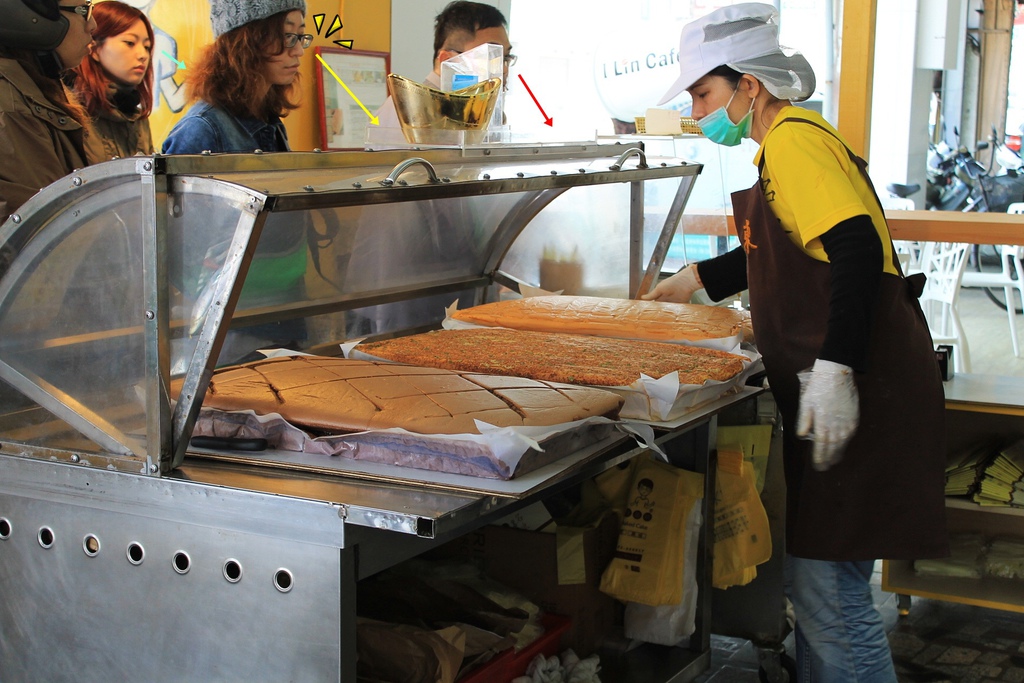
<point>724,275</point>
<point>855,255</point>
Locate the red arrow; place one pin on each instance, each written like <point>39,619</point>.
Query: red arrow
<point>547,119</point>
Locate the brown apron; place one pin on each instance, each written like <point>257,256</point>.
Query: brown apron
<point>885,497</point>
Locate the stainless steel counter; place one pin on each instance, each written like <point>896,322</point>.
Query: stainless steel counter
<point>131,573</point>
<point>126,556</point>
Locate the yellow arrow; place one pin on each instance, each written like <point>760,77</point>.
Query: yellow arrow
<point>373,119</point>
<point>336,26</point>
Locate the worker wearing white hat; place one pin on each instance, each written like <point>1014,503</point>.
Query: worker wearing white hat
<point>846,348</point>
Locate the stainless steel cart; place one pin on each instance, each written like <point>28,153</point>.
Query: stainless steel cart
<point>124,553</point>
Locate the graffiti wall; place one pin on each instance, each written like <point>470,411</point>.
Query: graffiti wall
<point>181,29</point>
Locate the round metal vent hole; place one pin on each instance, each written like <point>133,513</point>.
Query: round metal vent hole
<point>45,537</point>
<point>136,553</point>
<point>232,571</point>
<point>182,562</point>
<point>283,580</point>
<point>5,528</point>
<point>91,545</point>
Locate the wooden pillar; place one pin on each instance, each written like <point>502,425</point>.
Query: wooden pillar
<point>996,31</point>
<point>856,67</point>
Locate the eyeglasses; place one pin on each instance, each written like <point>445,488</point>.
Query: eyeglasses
<point>83,10</point>
<point>290,39</point>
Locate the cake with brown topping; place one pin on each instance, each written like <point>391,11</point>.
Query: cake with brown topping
<point>569,358</point>
<point>606,317</point>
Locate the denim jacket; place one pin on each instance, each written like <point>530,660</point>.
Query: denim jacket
<point>206,127</point>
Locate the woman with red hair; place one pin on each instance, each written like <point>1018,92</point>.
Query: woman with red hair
<point>115,83</point>
<point>246,80</point>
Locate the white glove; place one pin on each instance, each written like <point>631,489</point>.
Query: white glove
<point>678,288</point>
<point>829,411</point>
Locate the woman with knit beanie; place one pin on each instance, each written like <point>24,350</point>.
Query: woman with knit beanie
<point>246,80</point>
<point>241,86</point>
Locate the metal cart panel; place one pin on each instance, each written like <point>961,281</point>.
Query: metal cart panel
<point>123,553</point>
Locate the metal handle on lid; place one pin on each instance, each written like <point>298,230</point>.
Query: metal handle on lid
<point>637,151</point>
<point>402,167</point>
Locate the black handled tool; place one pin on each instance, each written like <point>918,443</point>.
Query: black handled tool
<point>230,443</point>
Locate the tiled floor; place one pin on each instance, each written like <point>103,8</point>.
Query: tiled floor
<point>988,335</point>
<point>945,642</point>
<point>937,641</point>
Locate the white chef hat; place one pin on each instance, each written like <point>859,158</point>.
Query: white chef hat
<point>744,37</point>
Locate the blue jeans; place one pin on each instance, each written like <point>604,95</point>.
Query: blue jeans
<point>839,633</point>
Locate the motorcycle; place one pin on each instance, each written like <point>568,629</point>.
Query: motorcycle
<point>999,190</point>
<point>949,180</point>
<point>957,181</point>
<point>952,178</point>
<point>1008,158</point>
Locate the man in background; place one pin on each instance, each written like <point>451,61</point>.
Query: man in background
<point>461,26</point>
<point>438,236</point>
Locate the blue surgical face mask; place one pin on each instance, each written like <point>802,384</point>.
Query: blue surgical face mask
<point>718,127</point>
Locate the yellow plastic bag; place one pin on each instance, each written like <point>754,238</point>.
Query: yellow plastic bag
<point>754,440</point>
<point>648,562</point>
<point>742,537</point>
<point>740,578</point>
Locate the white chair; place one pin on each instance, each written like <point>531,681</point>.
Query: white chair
<point>1010,278</point>
<point>943,264</point>
<point>909,254</point>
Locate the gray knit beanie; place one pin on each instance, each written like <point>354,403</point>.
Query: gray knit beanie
<point>226,15</point>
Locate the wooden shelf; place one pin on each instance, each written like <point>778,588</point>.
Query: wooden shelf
<point>965,504</point>
<point>945,226</point>
<point>1005,594</point>
<point>953,226</point>
<point>994,394</point>
<point>979,408</point>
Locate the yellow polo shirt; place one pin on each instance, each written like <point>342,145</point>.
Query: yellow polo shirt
<point>812,185</point>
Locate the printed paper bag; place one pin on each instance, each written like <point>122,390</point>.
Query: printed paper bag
<point>648,563</point>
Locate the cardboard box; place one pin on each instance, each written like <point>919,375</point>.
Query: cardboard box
<point>529,562</point>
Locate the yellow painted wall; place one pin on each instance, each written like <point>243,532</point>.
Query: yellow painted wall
<point>368,24</point>
<point>183,29</point>
<point>303,124</point>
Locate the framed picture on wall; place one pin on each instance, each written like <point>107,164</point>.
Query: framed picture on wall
<point>344,115</point>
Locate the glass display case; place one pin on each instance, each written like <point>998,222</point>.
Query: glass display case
<point>147,268</point>
<point>132,551</point>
